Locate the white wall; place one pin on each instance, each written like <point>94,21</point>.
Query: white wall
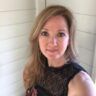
<point>16,17</point>
<point>94,65</point>
<point>85,14</point>
<point>40,5</point>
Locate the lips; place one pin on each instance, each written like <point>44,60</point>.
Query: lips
<point>52,50</point>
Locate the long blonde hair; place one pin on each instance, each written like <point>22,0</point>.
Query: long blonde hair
<point>33,71</point>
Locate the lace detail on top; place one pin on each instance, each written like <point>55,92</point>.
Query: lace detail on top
<point>56,80</point>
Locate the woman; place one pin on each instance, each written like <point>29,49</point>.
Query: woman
<point>52,69</point>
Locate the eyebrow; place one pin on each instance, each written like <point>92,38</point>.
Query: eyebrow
<point>58,30</point>
<point>62,30</point>
<point>44,29</point>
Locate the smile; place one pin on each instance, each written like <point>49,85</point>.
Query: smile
<point>53,50</point>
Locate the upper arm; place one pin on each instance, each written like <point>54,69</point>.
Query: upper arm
<point>82,85</point>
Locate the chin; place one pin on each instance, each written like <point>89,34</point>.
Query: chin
<point>53,57</point>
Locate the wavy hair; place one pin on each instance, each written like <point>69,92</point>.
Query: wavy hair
<point>34,69</point>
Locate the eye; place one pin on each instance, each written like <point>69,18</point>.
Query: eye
<point>44,33</point>
<point>61,34</point>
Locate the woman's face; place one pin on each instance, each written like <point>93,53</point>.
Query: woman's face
<point>54,38</point>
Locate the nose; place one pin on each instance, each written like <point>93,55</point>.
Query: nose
<point>53,41</point>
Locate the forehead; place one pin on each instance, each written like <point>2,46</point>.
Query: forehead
<point>56,21</point>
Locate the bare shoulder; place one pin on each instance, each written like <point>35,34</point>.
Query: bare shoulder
<point>82,85</point>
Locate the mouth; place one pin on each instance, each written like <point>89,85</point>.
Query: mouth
<point>52,50</point>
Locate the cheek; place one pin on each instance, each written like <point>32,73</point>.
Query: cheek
<point>65,43</point>
<point>41,44</point>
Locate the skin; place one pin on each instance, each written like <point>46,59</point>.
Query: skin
<point>53,42</point>
<point>81,85</point>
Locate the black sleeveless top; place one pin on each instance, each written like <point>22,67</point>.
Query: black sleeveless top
<point>56,80</point>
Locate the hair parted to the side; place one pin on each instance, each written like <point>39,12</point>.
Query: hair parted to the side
<point>34,69</point>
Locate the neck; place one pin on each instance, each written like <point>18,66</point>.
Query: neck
<point>57,62</point>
